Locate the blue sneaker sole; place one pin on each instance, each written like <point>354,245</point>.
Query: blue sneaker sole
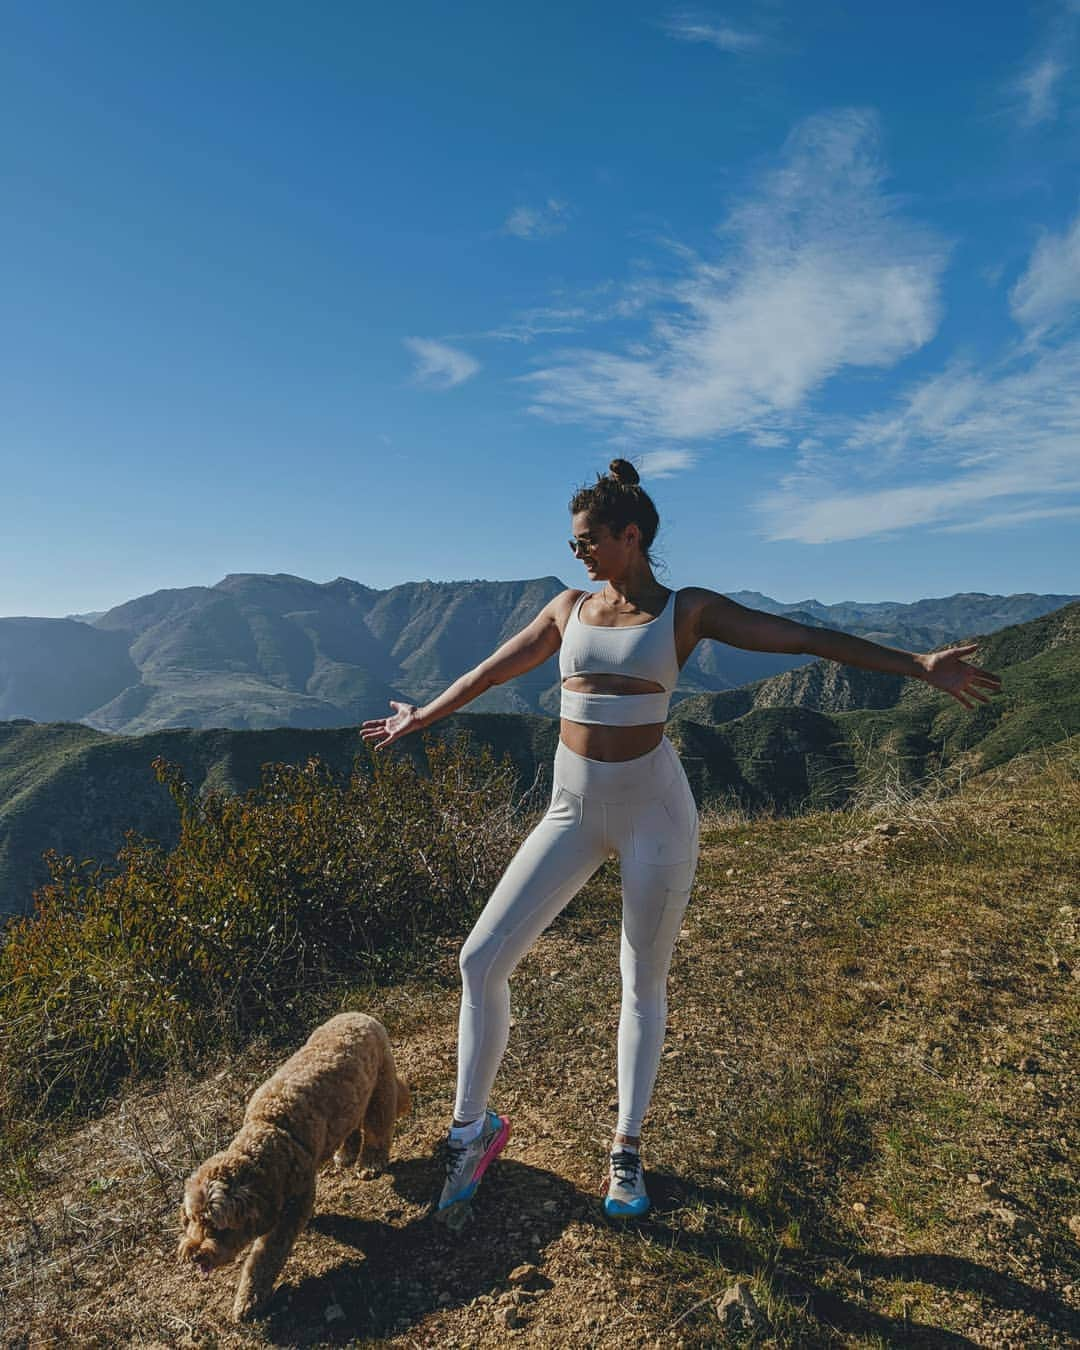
<point>622,1209</point>
<point>459,1199</point>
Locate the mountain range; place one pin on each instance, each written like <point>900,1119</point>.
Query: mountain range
<point>809,736</point>
<point>259,651</point>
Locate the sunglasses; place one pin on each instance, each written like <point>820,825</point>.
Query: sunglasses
<point>581,548</point>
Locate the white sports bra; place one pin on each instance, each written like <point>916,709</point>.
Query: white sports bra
<point>645,651</point>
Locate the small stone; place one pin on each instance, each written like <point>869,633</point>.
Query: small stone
<point>738,1308</point>
<point>550,1207</point>
<point>974,1178</point>
<point>991,1190</point>
<point>1074,1224</point>
<point>1012,1221</point>
<point>859,1207</point>
<point>508,1317</point>
<point>887,828</point>
<point>334,1312</point>
<point>523,1274</point>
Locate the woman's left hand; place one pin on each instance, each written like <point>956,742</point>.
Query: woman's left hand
<point>949,671</point>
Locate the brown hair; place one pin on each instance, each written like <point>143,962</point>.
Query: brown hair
<point>616,500</point>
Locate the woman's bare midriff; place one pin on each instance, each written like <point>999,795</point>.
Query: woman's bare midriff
<point>611,745</point>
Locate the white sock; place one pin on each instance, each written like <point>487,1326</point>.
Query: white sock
<point>465,1134</point>
<point>630,1148</point>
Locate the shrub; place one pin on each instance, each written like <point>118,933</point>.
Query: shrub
<point>300,885</point>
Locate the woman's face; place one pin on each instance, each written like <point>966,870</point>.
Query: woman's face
<point>602,553</point>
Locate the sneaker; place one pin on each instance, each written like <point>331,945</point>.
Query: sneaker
<point>625,1196</point>
<point>467,1163</point>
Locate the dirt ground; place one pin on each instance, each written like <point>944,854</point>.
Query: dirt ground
<point>865,1124</point>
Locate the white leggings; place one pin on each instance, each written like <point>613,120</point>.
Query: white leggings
<point>643,810</point>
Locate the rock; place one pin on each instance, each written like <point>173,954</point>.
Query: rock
<point>1011,1221</point>
<point>859,1207</point>
<point>334,1312</point>
<point>974,1178</point>
<point>991,1190</point>
<point>508,1317</point>
<point>550,1207</point>
<point>1074,1224</point>
<point>738,1308</point>
<point>523,1274</point>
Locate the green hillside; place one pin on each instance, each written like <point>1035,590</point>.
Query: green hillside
<point>805,739</point>
<point>811,737</point>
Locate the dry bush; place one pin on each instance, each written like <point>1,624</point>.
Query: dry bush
<point>288,891</point>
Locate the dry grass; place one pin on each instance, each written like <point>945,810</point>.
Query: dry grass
<point>862,1021</point>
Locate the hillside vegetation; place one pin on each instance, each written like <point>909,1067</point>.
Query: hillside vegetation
<point>866,1114</point>
<point>824,734</point>
<point>814,737</point>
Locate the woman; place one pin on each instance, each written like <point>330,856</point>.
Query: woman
<point>618,785</point>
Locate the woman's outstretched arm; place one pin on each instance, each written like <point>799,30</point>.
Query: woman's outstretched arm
<point>718,617</point>
<point>523,652</point>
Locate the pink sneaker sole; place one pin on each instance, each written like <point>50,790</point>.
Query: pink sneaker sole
<point>494,1149</point>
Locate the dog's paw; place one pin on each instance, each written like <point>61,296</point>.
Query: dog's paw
<point>246,1307</point>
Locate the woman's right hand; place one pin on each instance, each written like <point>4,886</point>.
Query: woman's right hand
<point>385,730</point>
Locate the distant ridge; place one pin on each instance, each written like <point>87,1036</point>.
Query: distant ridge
<point>808,737</point>
<point>258,650</point>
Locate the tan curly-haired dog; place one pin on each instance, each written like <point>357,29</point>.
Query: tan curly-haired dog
<point>339,1093</point>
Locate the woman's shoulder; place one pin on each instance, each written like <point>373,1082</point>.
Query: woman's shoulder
<point>561,606</point>
<point>693,604</point>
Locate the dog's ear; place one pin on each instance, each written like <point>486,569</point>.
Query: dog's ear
<point>404,1099</point>
<point>195,1200</point>
<point>228,1204</point>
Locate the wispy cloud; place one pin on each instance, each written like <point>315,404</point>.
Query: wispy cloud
<point>665,463</point>
<point>1035,95</point>
<point>962,440</point>
<point>690,26</point>
<point>1004,519</point>
<point>537,222</point>
<point>438,365</point>
<point>818,270</point>
<point>1036,90</point>
<point>1048,294</point>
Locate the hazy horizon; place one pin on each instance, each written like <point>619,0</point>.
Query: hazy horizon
<point>405,581</point>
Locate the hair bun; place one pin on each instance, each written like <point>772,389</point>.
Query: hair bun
<point>624,472</point>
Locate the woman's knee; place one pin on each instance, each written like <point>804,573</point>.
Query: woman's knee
<point>482,957</point>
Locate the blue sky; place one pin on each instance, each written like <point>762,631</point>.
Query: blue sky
<point>367,291</point>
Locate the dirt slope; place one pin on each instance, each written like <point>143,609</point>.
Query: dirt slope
<point>866,1112</point>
